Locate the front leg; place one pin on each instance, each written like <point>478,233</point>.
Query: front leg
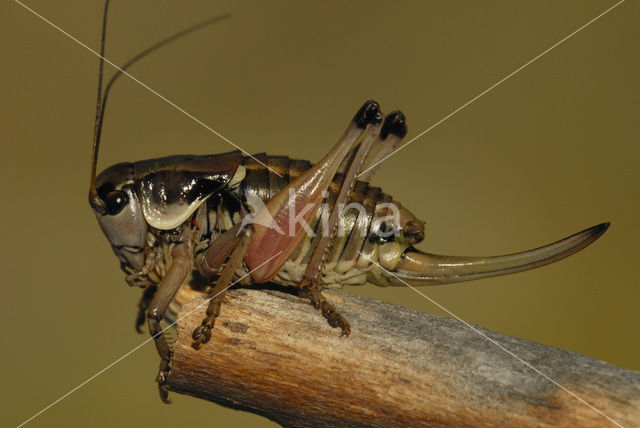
<point>143,305</point>
<point>175,276</point>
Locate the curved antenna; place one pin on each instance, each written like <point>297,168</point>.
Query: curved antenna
<point>121,70</point>
<point>147,51</point>
<point>94,199</point>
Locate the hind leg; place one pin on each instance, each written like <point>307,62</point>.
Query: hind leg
<point>283,223</point>
<point>374,139</point>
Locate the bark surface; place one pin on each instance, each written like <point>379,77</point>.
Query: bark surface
<point>272,354</point>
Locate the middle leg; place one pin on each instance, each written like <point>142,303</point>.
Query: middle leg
<point>236,241</point>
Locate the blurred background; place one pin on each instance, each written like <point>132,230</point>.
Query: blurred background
<point>547,153</point>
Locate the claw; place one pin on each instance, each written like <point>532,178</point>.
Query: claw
<point>420,268</point>
<point>201,335</point>
<point>164,393</point>
<point>161,379</point>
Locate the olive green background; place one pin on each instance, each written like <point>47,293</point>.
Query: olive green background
<point>549,152</point>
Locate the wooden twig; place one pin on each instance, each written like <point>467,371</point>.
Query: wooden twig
<point>273,354</point>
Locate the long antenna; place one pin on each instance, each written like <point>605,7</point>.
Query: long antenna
<point>102,100</point>
<point>94,199</point>
<point>146,52</point>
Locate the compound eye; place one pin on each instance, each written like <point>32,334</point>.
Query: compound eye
<point>115,201</point>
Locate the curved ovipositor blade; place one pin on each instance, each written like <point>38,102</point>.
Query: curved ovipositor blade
<point>419,268</point>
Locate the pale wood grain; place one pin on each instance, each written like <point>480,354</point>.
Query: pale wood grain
<point>271,353</point>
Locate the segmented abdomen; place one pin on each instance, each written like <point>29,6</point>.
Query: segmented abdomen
<point>359,234</point>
